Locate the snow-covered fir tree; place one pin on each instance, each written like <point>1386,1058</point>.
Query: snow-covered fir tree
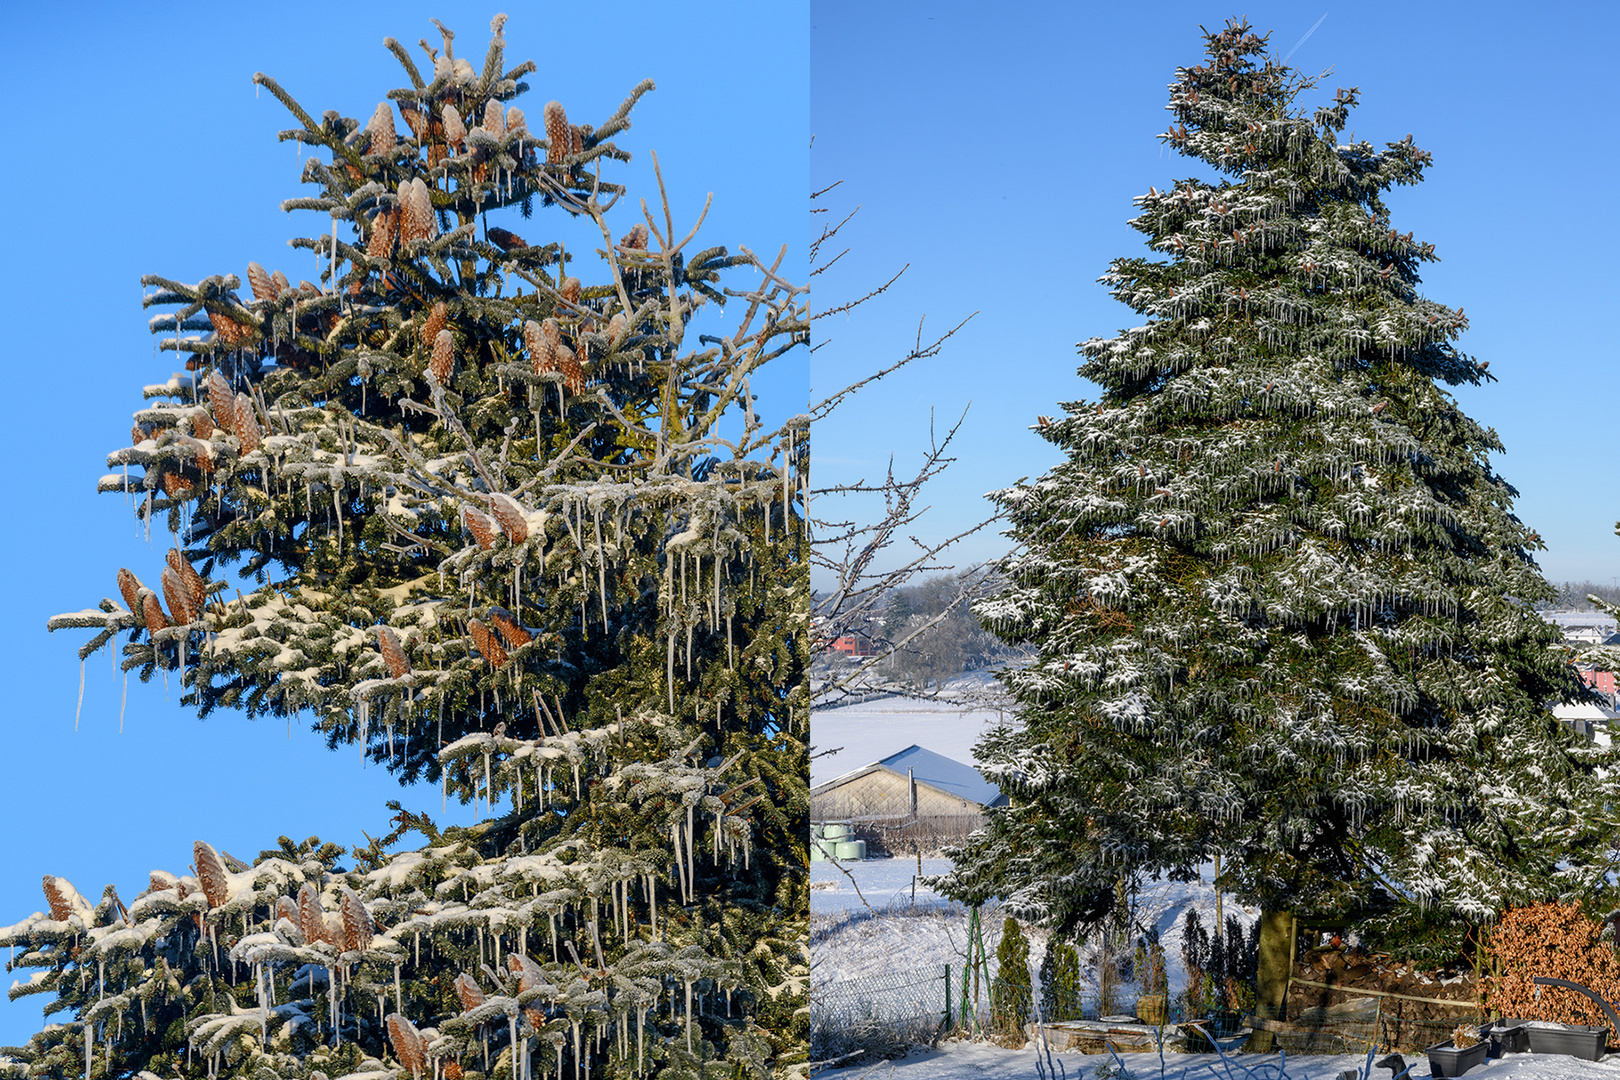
<point>506,529</point>
<point>1282,606</point>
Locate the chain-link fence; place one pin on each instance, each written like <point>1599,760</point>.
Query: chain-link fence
<point>882,1013</point>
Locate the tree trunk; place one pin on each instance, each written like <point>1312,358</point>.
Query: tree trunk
<point>1271,978</point>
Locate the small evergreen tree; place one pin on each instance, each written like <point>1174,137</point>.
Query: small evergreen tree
<point>1061,997</point>
<point>1010,996</point>
<point>1284,611</point>
<point>502,528</point>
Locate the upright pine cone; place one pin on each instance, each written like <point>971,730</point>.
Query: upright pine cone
<point>222,401</point>
<point>444,357</point>
<point>380,244</point>
<point>509,514</point>
<point>383,135</point>
<point>260,282</point>
<point>479,525</point>
<point>196,587</point>
<point>279,280</point>
<point>216,883</point>
<point>59,895</point>
<point>485,641</point>
<point>247,425</point>
<point>202,425</point>
<point>538,344</point>
<point>177,596</point>
<point>468,990</point>
<point>202,453</point>
<point>576,139</point>
<point>437,319</point>
<point>393,653</point>
<point>516,124</point>
<point>229,332</point>
<point>454,130</point>
<point>636,238</point>
<point>287,908</point>
<point>407,1043</point>
<point>174,485</point>
<point>152,612</point>
<point>494,119</point>
<point>452,1070</point>
<point>413,118</point>
<point>617,326</point>
<point>510,629</point>
<point>311,916</point>
<point>129,586</point>
<point>569,290</point>
<point>357,926</point>
<point>559,136</point>
<point>573,374</point>
<point>417,221</point>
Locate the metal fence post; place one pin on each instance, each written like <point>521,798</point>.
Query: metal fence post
<point>947,997</point>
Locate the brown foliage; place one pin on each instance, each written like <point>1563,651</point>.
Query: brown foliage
<point>1557,941</point>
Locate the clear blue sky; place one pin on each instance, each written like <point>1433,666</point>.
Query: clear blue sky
<point>997,149</point>
<point>141,147</point>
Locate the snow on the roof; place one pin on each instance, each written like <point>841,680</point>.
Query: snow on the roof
<point>938,771</point>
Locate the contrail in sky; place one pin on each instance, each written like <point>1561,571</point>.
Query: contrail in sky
<point>1308,33</point>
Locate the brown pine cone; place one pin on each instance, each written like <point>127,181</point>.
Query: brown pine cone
<point>494,119</point>
<point>454,130</point>
<point>152,612</point>
<point>470,994</point>
<point>511,631</point>
<point>174,485</point>
<point>176,596</point>
<point>569,289</point>
<point>393,653</point>
<point>196,587</point>
<point>230,333</point>
<point>559,136</point>
<point>436,321</point>
<point>129,587</point>
<point>57,893</point>
<point>509,515</point>
<point>635,239</point>
<point>247,425</point>
<point>264,288</point>
<point>222,401</point>
<point>452,1070</point>
<point>479,525</point>
<point>444,356</point>
<point>211,873</point>
<point>485,641</point>
<point>573,374</point>
<point>407,1044</point>
<point>381,243</point>
<point>576,139</point>
<point>539,345</point>
<point>413,118</point>
<point>504,239</point>
<point>311,916</point>
<point>357,925</point>
<point>383,135</point>
<point>516,124</point>
<point>202,425</point>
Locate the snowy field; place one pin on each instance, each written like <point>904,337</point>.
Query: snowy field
<point>870,731</point>
<point>981,1061</point>
<point>848,942</point>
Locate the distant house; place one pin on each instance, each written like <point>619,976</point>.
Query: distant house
<point>912,798</point>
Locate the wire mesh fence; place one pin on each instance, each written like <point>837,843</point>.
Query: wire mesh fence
<point>880,1013</point>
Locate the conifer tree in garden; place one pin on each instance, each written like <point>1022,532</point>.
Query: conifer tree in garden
<point>1280,599</point>
<point>506,520</point>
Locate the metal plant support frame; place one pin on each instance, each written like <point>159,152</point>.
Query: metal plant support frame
<point>1614,1020</point>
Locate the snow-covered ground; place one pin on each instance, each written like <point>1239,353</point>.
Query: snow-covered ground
<point>848,942</point>
<point>982,1061</point>
<point>864,732</point>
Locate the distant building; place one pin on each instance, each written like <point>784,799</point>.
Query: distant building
<point>912,799</point>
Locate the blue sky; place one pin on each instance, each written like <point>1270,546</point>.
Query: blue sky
<point>144,149</point>
<point>997,149</point>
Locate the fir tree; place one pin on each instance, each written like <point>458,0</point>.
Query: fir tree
<point>1282,605</point>
<point>1060,982</point>
<point>511,531</point>
<point>1009,989</point>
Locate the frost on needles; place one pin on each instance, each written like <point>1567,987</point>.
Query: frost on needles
<point>502,528</point>
<point>1281,602</point>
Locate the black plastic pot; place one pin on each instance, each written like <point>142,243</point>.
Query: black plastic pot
<point>1507,1037</point>
<point>1445,1060</point>
<point>1576,1040</point>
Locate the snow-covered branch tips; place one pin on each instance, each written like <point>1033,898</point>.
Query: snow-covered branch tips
<point>494,516</point>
